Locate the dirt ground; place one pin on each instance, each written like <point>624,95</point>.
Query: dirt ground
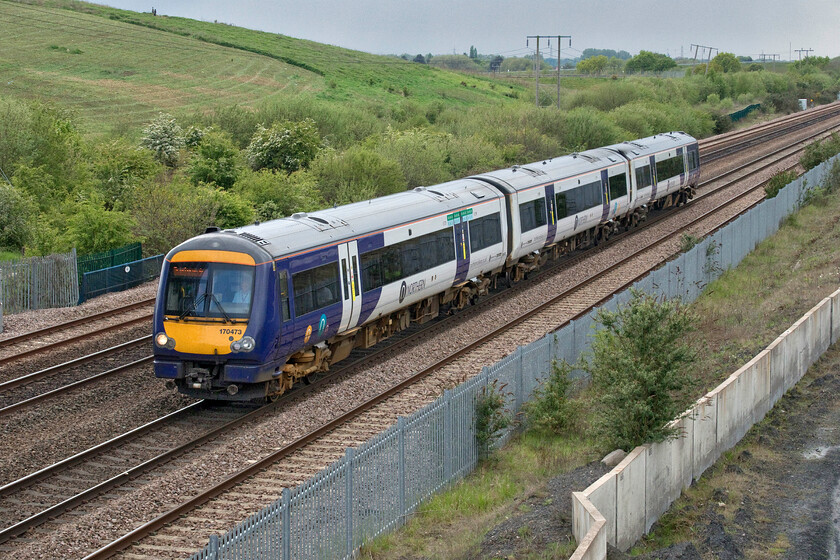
<point>775,495</point>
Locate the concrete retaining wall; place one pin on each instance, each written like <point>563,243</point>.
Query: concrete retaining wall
<point>631,498</point>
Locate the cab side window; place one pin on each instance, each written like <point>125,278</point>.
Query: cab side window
<point>283,293</point>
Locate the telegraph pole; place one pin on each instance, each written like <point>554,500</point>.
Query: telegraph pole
<point>537,63</point>
<point>697,48</point>
<point>559,38</point>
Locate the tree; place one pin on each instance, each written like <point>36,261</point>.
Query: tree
<point>725,62</point>
<point>420,59</point>
<point>640,364</point>
<point>647,61</point>
<point>276,195</point>
<point>17,218</point>
<point>216,160</point>
<point>593,65</point>
<point>286,146</point>
<point>164,138</point>
<point>473,52</point>
<point>496,63</point>
<point>93,229</point>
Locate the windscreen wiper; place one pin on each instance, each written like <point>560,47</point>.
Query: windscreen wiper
<point>192,307</point>
<point>222,309</point>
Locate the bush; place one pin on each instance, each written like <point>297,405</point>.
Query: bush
<point>169,213</point>
<point>164,138</point>
<point>357,174</point>
<point>551,409</point>
<point>286,146</point>
<point>422,155</point>
<point>91,228</point>
<point>276,195</point>
<point>819,151</point>
<point>216,160</point>
<point>778,182</point>
<point>640,364</point>
<point>490,417</point>
<point>17,218</point>
<point>118,168</point>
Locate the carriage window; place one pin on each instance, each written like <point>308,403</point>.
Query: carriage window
<point>532,214</point>
<point>668,168</point>
<point>398,261</point>
<point>578,199</point>
<point>693,160</point>
<point>485,232</point>
<point>643,178</point>
<point>316,288</point>
<point>618,186</point>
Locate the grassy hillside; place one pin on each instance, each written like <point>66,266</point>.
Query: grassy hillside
<point>117,69</point>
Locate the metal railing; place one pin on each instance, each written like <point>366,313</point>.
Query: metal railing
<point>120,277</point>
<point>39,283</point>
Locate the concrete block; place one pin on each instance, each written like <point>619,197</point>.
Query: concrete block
<point>630,498</point>
<point>796,353</point>
<point>727,412</point>
<point>704,447</point>
<point>602,495</point>
<point>835,316</point>
<point>763,386</point>
<point>589,531</point>
<point>668,469</point>
<point>822,329</point>
<point>778,361</point>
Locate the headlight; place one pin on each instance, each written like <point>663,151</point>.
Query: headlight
<point>244,344</point>
<point>164,341</point>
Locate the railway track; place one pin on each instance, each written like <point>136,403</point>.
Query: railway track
<point>300,459</point>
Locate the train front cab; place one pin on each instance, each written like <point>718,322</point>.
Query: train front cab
<point>216,321</point>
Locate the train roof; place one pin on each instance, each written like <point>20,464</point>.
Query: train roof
<point>652,144</point>
<point>304,231</point>
<point>522,177</point>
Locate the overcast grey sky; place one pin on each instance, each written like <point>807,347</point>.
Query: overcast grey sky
<point>500,27</point>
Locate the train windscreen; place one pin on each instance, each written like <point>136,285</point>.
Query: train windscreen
<point>207,290</point>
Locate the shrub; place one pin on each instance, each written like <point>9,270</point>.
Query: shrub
<point>164,138</point>
<point>421,154</point>
<point>286,146</point>
<point>640,363</point>
<point>276,195</point>
<point>490,417</point>
<point>551,409</point>
<point>17,218</point>
<point>168,213</point>
<point>118,168</point>
<point>91,228</point>
<point>357,174</point>
<point>777,182</point>
<point>820,150</point>
<point>216,160</point>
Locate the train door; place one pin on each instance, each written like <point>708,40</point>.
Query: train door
<point>348,257</point>
<point>605,193</point>
<point>462,246</point>
<point>287,325</point>
<point>551,210</point>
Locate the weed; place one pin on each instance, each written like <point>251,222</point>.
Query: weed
<point>778,182</point>
<point>688,241</point>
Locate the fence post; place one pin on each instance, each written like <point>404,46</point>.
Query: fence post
<point>213,547</point>
<point>348,510</point>
<point>401,462</point>
<point>448,439</point>
<point>518,381</point>
<point>286,535</point>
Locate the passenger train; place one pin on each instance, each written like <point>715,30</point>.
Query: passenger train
<point>245,313</point>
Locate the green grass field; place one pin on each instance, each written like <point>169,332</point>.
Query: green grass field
<point>117,69</point>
